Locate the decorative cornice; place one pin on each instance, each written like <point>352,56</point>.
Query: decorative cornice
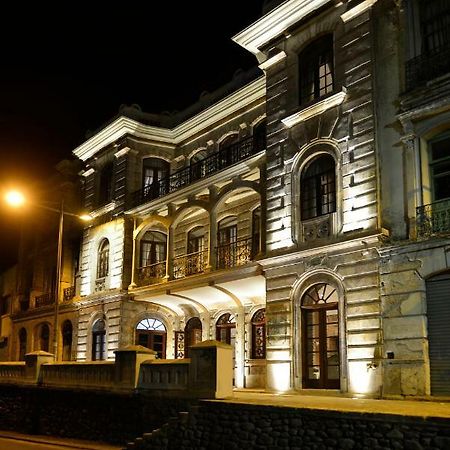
<point>124,125</point>
<point>357,10</point>
<point>273,60</point>
<point>275,22</point>
<point>316,109</point>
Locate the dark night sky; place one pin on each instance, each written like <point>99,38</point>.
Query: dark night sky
<point>67,70</point>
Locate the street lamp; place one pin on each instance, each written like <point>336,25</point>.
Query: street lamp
<point>16,199</point>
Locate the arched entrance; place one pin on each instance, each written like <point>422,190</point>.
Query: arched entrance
<point>192,333</point>
<point>99,340</point>
<point>320,337</point>
<point>151,333</point>
<point>438,316</point>
<point>67,341</point>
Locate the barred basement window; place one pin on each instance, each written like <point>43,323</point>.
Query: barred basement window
<point>318,188</point>
<point>259,334</point>
<point>103,259</point>
<point>316,72</point>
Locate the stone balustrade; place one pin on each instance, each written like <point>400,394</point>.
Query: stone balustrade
<point>207,374</point>
<point>96,374</point>
<point>165,374</point>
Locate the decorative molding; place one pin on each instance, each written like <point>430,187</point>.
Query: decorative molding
<point>122,152</point>
<point>273,60</point>
<point>315,109</point>
<point>103,209</point>
<point>275,22</point>
<point>357,10</point>
<point>122,126</point>
<point>87,172</point>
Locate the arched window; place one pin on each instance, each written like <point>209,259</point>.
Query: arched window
<point>228,154</point>
<point>153,253</point>
<point>103,259</point>
<point>226,328</point>
<point>22,344</point>
<point>192,333</point>
<point>67,341</point>
<point>318,188</point>
<point>320,337</point>
<point>259,334</point>
<point>316,73</point>
<point>105,192</point>
<point>44,337</point>
<point>256,231</point>
<point>153,171</point>
<point>227,253</point>
<point>196,240</point>
<point>151,333</point>
<point>99,340</point>
<point>259,136</point>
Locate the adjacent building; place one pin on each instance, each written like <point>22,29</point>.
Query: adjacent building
<point>300,214</point>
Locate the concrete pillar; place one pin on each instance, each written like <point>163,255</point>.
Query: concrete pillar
<point>33,363</point>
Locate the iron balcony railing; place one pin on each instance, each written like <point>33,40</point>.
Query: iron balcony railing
<point>148,274</point>
<point>234,253</point>
<point>69,293</point>
<point>433,219</point>
<point>214,163</point>
<point>43,300</point>
<point>426,67</point>
<point>190,264</point>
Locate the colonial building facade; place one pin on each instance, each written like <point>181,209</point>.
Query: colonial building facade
<point>300,214</point>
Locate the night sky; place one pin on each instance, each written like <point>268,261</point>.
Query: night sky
<point>66,70</point>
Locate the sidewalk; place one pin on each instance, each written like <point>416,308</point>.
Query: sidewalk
<point>412,408</point>
<point>70,444</point>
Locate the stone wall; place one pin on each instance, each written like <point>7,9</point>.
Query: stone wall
<point>108,417</point>
<point>233,426</point>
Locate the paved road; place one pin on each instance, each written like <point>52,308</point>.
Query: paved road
<point>15,441</point>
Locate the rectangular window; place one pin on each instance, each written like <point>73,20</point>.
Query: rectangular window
<point>440,168</point>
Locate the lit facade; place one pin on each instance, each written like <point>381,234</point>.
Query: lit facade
<point>302,216</point>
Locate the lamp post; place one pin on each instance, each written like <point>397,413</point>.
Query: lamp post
<point>17,199</point>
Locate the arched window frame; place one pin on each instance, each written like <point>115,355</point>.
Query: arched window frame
<point>99,350</point>
<point>103,259</point>
<point>302,159</point>
<point>43,337</point>
<point>151,332</point>
<point>258,350</point>
<point>224,324</point>
<point>193,334</point>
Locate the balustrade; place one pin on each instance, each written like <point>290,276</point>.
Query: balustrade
<point>43,300</point>
<point>234,254</point>
<point>152,273</point>
<point>214,163</point>
<point>433,219</point>
<point>190,264</point>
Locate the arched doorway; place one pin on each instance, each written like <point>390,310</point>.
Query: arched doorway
<point>22,344</point>
<point>192,333</point>
<point>320,337</point>
<point>151,333</point>
<point>67,341</point>
<point>99,340</point>
<point>44,338</point>
<point>438,316</point>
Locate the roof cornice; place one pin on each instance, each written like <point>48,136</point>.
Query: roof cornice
<point>124,125</point>
<point>274,23</point>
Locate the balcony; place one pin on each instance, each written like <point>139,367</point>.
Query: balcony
<point>214,163</point>
<point>427,67</point>
<point>433,219</point>
<point>69,293</point>
<point>190,264</point>
<point>43,300</point>
<point>235,254</point>
<point>152,273</point>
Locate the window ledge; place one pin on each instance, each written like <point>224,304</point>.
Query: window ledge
<point>103,209</point>
<point>315,109</point>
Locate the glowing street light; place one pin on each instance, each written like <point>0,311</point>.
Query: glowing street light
<point>17,199</point>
